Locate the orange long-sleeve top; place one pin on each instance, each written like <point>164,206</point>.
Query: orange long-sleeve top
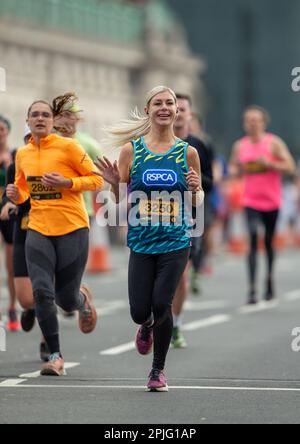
<point>55,212</point>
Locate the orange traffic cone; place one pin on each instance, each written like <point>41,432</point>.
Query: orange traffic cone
<point>237,242</point>
<point>98,260</point>
<point>237,232</point>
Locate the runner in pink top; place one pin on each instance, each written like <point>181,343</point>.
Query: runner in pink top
<point>262,190</point>
<point>262,158</point>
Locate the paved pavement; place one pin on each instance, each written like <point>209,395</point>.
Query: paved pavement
<point>239,366</point>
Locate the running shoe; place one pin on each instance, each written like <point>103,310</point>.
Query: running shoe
<point>144,340</point>
<point>88,315</point>
<point>252,298</point>
<point>54,366</point>
<point>178,340</point>
<point>270,294</point>
<point>44,352</point>
<point>13,323</point>
<point>157,381</point>
<point>28,320</point>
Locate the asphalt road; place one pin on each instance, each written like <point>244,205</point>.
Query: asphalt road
<point>239,366</point>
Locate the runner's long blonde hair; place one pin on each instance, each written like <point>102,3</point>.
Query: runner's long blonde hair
<point>130,129</point>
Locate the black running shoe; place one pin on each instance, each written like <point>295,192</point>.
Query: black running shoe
<point>27,320</point>
<point>270,294</point>
<point>252,298</point>
<point>44,352</point>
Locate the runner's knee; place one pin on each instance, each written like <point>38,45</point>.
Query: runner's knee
<point>139,315</point>
<point>44,304</point>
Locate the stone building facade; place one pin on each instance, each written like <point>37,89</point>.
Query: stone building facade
<point>109,53</point>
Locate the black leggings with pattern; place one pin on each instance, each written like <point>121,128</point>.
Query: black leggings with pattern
<point>55,266</point>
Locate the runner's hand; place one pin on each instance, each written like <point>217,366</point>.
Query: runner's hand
<point>12,192</point>
<point>193,181</point>
<point>56,180</point>
<point>264,163</point>
<point>110,172</point>
<point>4,215</point>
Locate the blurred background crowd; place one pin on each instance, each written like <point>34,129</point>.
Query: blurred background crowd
<point>225,55</point>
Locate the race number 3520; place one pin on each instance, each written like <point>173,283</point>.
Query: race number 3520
<point>2,79</point>
<point>2,339</point>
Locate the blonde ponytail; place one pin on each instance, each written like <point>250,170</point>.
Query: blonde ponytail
<point>126,131</point>
<point>130,129</point>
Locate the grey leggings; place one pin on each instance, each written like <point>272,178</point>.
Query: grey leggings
<point>56,265</point>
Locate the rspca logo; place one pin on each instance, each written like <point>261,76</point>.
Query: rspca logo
<point>158,178</point>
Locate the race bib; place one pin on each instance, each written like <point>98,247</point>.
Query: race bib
<point>39,192</point>
<point>159,209</point>
<point>255,168</point>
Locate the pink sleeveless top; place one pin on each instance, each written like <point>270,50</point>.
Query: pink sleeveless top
<point>263,189</point>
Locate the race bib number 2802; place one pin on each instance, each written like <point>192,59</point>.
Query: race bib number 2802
<point>39,192</point>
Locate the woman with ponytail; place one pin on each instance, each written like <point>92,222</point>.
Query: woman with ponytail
<point>153,160</point>
<point>53,172</point>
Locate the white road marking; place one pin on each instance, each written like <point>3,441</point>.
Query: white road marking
<point>112,307</point>
<point>119,349</point>
<point>292,296</point>
<point>68,365</point>
<point>11,382</point>
<point>208,322</point>
<point>205,305</point>
<point>202,323</point>
<point>142,387</point>
<point>119,304</point>
<point>256,308</point>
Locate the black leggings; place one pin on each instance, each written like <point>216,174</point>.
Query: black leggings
<point>153,279</point>
<point>55,266</point>
<point>269,221</point>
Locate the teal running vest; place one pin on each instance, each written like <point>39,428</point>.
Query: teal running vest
<point>158,221</point>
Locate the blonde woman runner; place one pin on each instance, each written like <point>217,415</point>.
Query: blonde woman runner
<point>152,160</point>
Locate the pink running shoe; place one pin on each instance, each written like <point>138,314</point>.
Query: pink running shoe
<point>54,366</point>
<point>157,381</point>
<point>144,340</point>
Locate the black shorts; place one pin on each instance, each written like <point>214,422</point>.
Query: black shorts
<point>7,228</point>
<point>19,259</point>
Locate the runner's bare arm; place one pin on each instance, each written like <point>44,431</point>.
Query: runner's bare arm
<point>194,179</point>
<point>234,164</point>
<point>285,163</point>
